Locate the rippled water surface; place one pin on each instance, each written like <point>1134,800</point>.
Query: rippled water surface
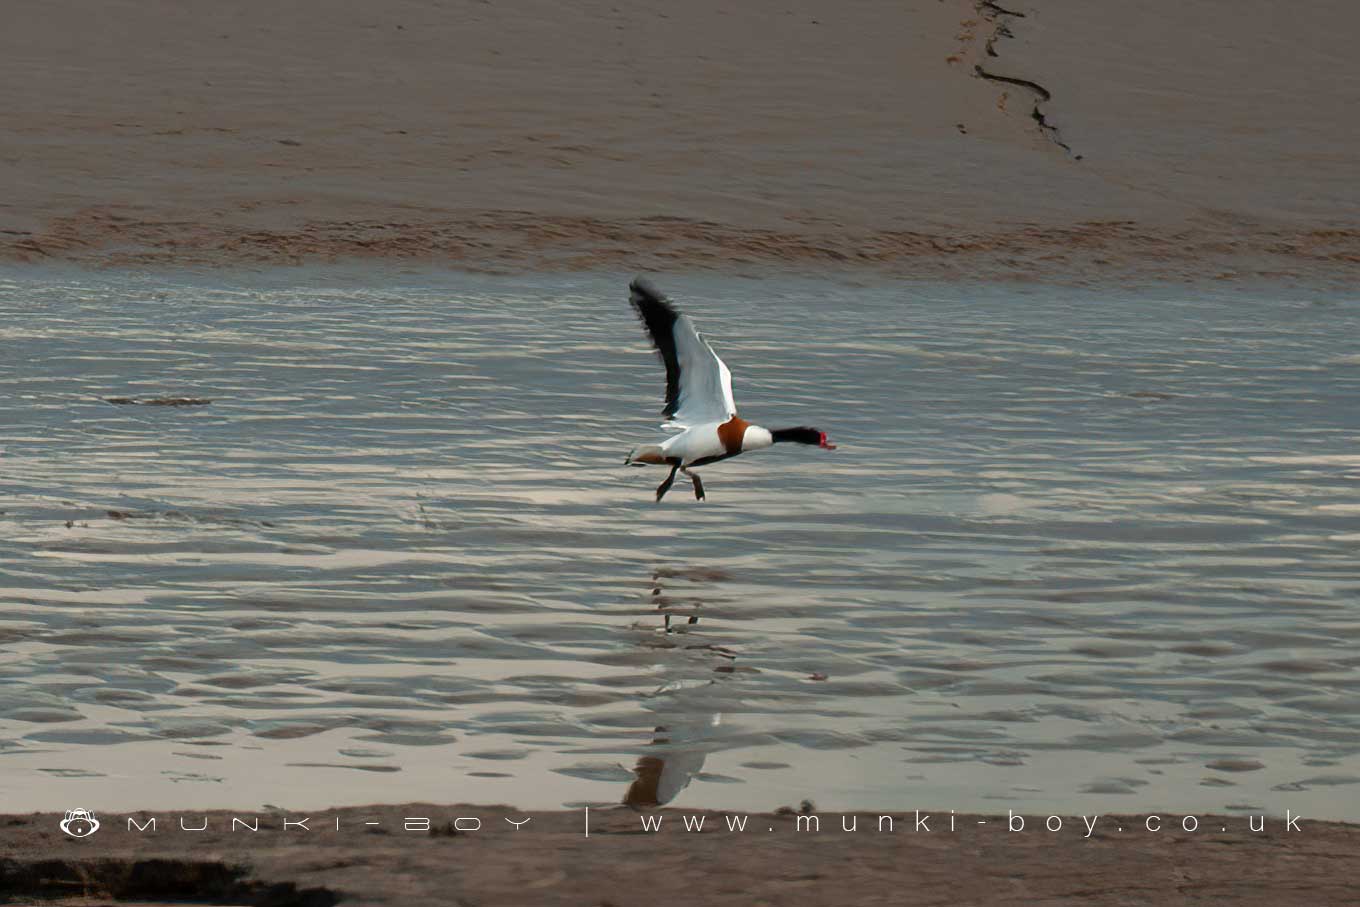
<point>1077,549</point>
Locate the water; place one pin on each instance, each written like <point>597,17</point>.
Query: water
<point>1077,550</point>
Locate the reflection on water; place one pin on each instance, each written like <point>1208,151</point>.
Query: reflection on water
<point>1076,550</point>
<point>687,713</point>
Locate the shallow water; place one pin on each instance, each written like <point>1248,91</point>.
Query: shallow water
<point>1076,551</point>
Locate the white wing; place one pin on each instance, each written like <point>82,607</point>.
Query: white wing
<point>698,384</point>
<point>705,381</point>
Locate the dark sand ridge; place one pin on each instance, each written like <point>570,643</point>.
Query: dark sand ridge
<point>553,863</point>
<point>1216,139</point>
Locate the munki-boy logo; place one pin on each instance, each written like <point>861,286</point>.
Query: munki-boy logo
<point>79,823</point>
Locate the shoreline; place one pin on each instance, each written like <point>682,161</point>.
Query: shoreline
<point>509,242</point>
<point>557,864</point>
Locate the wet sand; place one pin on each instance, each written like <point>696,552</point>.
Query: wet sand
<point>1103,558</point>
<point>550,861</point>
<point>938,138</point>
<point>489,626</point>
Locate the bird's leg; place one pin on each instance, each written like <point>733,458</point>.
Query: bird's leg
<point>698,485</point>
<point>666,485</point>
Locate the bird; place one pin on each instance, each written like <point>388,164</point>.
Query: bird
<point>699,406</point>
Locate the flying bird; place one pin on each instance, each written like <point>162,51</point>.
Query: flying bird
<point>699,405</point>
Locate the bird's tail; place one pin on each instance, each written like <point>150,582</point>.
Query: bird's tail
<point>645,454</point>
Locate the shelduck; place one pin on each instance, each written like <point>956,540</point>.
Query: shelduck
<point>699,406</point>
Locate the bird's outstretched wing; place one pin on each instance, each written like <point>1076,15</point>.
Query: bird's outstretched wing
<point>698,384</point>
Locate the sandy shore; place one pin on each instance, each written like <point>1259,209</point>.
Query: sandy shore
<point>550,861</point>
<point>945,138</point>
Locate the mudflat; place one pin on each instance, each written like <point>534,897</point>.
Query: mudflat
<point>1056,140</point>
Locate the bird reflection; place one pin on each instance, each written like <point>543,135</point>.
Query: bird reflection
<point>661,778</point>
<point>690,714</point>
<point>670,606</point>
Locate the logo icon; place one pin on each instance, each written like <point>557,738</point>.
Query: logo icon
<point>79,823</point>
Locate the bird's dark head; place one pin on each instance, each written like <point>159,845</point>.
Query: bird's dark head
<point>802,435</point>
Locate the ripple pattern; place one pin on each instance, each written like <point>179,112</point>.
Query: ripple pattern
<point>1076,549</point>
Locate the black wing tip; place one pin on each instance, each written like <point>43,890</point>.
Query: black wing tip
<point>641,290</point>
<point>657,315</point>
<point>643,284</point>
